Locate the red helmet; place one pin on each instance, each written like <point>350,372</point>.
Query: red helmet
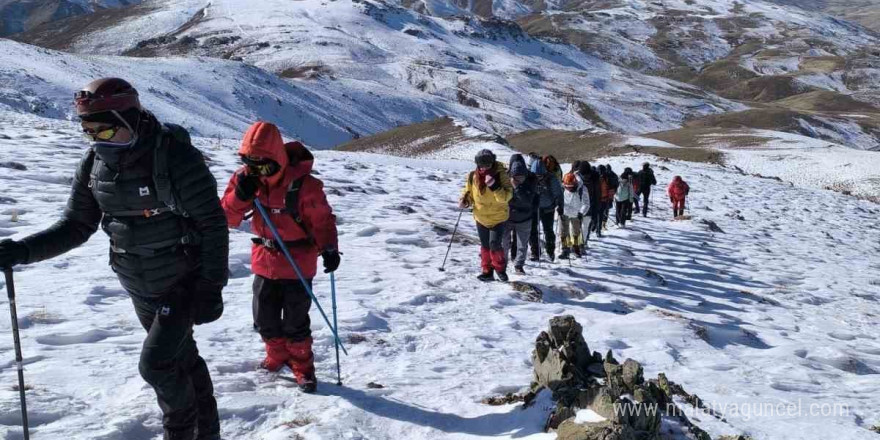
<point>104,95</point>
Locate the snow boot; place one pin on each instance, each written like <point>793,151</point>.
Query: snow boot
<point>534,258</point>
<point>302,363</point>
<point>276,354</point>
<point>577,251</point>
<point>486,276</point>
<point>502,276</point>
<point>564,254</point>
<point>519,270</point>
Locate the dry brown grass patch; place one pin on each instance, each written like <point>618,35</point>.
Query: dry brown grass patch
<point>822,64</point>
<point>826,101</point>
<point>570,146</point>
<point>410,140</point>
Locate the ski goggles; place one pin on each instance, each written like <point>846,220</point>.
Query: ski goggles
<point>104,134</point>
<point>260,166</point>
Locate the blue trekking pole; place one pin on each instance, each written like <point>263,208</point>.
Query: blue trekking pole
<point>302,279</point>
<point>333,300</point>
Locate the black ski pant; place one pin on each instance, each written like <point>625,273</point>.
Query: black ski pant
<point>646,195</point>
<point>281,309</point>
<point>545,218</point>
<point>623,212</point>
<point>606,211</point>
<point>595,215</point>
<point>171,364</point>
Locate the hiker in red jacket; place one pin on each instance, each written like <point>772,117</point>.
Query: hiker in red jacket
<point>678,190</point>
<point>279,175</point>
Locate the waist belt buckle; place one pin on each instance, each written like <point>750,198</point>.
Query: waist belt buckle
<point>276,211</point>
<point>117,250</point>
<point>269,243</point>
<point>151,212</point>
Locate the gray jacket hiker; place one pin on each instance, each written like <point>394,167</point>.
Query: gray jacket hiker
<point>549,188</point>
<point>523,206</point>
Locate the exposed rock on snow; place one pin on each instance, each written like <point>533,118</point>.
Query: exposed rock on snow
<point>712,225</point>
<point>623,405</point>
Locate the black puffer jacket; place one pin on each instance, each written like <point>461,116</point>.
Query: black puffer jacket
<point>646,179</point>
<point>149,254</point>
<point>524,202</point>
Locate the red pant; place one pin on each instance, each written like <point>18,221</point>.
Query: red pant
<point>491,249</point>
<point>490,259</point>
<point>678,206</point>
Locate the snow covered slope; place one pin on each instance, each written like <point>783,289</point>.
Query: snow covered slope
<point>779,309</point>
<point>212,97</point>
<point>391,65</point>
<point>22,15</point>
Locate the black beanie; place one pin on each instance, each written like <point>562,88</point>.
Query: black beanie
<point>584,168</point>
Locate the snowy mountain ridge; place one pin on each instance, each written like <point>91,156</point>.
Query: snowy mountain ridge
<point>569,65</point>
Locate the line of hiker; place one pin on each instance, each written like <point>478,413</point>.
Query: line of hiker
<point>151,192</point>
<point>514,206</point>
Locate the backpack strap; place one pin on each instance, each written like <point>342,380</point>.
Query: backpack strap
<point>291,204</point>
<point>88,164</point>
<point>161,176</point>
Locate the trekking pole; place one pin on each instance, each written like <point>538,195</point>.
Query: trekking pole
<point>296,268</point>
<point>333,301</point>
<point>454,230</point>
<point>10,290</point>
<point>541,241</point>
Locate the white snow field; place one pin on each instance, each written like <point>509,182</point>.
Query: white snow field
<point>780,309</point>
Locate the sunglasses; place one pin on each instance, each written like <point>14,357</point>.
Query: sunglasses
<point>260,166</point>
<point>104,134</point>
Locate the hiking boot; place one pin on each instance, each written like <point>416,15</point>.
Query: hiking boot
<point>502,276</point>
<point>534,258</point>
<point>564,255</point>
<point>577,251</point>
<point>486,276</point>
<point>307,383</point>
<point>519,270</point>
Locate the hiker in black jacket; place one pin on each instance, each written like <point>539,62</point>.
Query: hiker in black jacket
<point>523,207</point>
<point>646,180</point>
<point>172,260</point>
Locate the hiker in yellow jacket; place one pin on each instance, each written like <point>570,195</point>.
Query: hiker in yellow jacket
<point>488,192</point>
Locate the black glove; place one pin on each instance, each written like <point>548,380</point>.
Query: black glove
<point>331,260</point>
<point>560,211</point>
<point>208,302</point>
<point>580,216</point>
<point>12,253</point>
<point>246,187</point>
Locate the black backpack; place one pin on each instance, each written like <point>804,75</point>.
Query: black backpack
<point>161,176</point>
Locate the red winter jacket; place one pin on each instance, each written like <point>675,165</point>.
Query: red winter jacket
<point>264,140</point>
<point>678,189</point>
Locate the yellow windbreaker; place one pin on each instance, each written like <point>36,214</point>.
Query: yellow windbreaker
<point>490,207</point>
